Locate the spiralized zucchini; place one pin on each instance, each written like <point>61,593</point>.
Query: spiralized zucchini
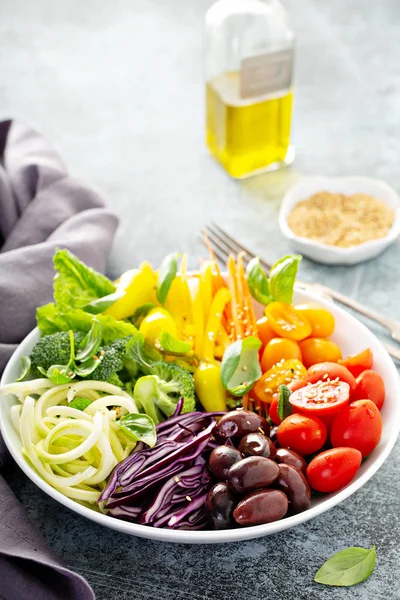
<point>72,450</point>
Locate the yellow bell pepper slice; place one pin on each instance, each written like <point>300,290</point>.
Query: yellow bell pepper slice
<point>139,286</point>
<point>209,388</point>
<point>157,320</point>
<point>220,300</point>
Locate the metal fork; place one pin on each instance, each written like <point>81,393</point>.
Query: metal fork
<point>223,244</point>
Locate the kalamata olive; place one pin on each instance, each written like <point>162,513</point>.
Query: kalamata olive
<point>273,437</point>
<point>220,504</point>
<point>257,444</point>
<point>237,423</point>
<point>221,459</point>
<point>252,473</point>
<point>295,485</point>
<point>290,457</point>
<point>259,507</point>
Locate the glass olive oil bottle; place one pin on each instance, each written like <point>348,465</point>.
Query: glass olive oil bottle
<point>249,96</point>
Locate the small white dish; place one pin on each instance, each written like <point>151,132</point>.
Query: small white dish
<point>352,337</point>
<point>332,255</point>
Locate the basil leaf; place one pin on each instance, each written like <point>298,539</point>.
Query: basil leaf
<point>258,282</point>
<point>91,342</point>
<point>172,345</point>
<point>141,312</point>
<point>25,367</point>
<point>284,406</point>
<point>167,274</point>
<point>80,403</point>
<point>347,567</point>
<point>282,277</point>
<point>60,374</point>
<point>87,367</point>
<point>240,367</point>
<point>141,352</point>
<point>101,304</point>
<point>139,427</point>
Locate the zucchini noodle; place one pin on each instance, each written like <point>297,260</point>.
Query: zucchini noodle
<point>73,450</point>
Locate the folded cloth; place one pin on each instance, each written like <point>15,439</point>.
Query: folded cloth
<point>41,208</point>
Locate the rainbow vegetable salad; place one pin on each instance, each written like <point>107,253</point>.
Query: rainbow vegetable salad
<point>165,399</point>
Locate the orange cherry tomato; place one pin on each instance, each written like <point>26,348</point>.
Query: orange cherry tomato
<point>357,363</point>
<point>278,349</point>
<point>317,350</point>
<point>265,331</point>
<point>322,398</point>
<point>321,320</point>
<point>267,387</point>
<point>287,322</point>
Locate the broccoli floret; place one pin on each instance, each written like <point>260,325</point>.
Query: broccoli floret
<point>158,393</point>
<point>54,349</point>
<point>111,363</point>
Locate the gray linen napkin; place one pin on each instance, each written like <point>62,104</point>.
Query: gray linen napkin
<point>41,208</point>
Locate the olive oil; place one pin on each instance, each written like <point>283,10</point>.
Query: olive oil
<point>247,135</point>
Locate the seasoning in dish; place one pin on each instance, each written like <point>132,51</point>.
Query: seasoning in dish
<point>339,220</point>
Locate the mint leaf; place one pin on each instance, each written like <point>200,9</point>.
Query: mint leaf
<point>282,277</point>
<point>347,567</point>
<point>168,271</point>
<point>80,403</point>
<point>139,427</point>
<point>258,282</point>
<point>171,345</point>
<point>91,342</point>
<point>240,367</point>
<point>284,406</point>
<point>59,374</point>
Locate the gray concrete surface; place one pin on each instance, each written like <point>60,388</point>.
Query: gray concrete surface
<point>117,86</point>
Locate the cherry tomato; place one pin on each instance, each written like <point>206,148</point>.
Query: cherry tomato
<point>287,321</point>
<point>321,320</point>
<point>267,387</point>
<point>296,384</point>
<point>278,349</point>
<point>273,412</point>
<point>357,363</point>
<point>302,434</point>
<point>359,425</point>
<point>322,398</point>
<point>265,331</point>
<point>370,386</point>
<point>333,469</point>
<point>317,350</point>
<point>330,370</point>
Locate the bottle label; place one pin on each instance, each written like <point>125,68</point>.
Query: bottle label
<point>266,73</point>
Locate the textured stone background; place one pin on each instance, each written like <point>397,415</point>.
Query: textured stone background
<point>117,86</point>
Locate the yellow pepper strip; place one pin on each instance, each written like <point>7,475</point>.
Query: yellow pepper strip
<point>198,317</point>
<point>179,305</point>
<point>220,300</point>
<point>221,343</point>
<point>139,286</point>
<point>208,386</point>
<point>206,282</point>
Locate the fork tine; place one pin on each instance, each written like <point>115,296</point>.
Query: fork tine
<point>220,252</point>
<point>234,245</point>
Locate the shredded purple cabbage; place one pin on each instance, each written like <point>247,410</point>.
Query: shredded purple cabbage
<point>166,486</point>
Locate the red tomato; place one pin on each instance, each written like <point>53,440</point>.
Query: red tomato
<point>317,350</point>
<point>321,398</point>
<point>273,412</point>
<point>357,363</point>
<point>302,434</point>
<point>359,425</point>
<point>330,370</point>
<point>333,469</point>
<point>370,386</point>
<point>296,384</point>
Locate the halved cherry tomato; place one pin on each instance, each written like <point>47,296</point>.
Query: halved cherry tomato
<point>321,320</point>
<point>287,321</point>
<point>278,349</point>
<point>267,387</point>
<point>330,370</point>
<point>317,350</point>
<point>302,434</point>
<point>321,398</point>
<point>359,425</point>
<point>273,412</point>
<point>357,363</point>
<point>333,469</point>
<point>296,384</point>
<point>370,386</point>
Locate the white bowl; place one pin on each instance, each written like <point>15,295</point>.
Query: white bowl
<point>352,337</point>
<point>332,255</point>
